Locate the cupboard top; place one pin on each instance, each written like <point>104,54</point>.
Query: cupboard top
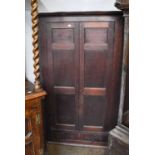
<point>80,13</point>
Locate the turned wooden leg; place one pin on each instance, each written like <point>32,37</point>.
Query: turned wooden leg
<point>34,14</point>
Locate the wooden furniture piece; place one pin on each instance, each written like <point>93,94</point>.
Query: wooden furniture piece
<point>80,61</point>
<point>119,136</point>
<point>34,143</point>
<point>35,21</point>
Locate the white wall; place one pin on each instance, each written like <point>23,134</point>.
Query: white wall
<point>28,42</point>
<point>58,6</point>
<point>76,5</point>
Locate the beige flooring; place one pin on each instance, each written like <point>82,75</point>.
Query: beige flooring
<point>65,149</point>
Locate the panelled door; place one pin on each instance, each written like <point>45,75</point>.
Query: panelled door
<point>62,47</point>
<point>96,42</point>
<point>80,69</point>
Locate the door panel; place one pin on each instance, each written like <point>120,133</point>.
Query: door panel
<point>65,109</point>
<point>80,70</point>
<point>63,68</point>
<point>96,54</point>
<point>94,61</point>
<point>63,59</point>
<point>91,117</point>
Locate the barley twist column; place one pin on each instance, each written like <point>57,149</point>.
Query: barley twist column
<point>34,14</point>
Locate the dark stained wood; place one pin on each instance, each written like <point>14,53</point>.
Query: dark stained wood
<point>81,137</point>
<point>125,119</point>
<point>94,91</point>
<point>34,142</point>
<point>88,13</point>
<point>124,95</point>
<point>118,143</point>
<point>122,4</point>
<point>80,70</point>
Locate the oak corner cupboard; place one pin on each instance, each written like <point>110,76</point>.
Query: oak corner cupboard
<point>80,61</point>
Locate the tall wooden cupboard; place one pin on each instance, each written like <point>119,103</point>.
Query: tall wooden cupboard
<point>80,61</point>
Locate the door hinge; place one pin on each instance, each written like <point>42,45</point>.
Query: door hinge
<point>37,119</point>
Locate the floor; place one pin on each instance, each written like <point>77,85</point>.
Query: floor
<point>69,149</point>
